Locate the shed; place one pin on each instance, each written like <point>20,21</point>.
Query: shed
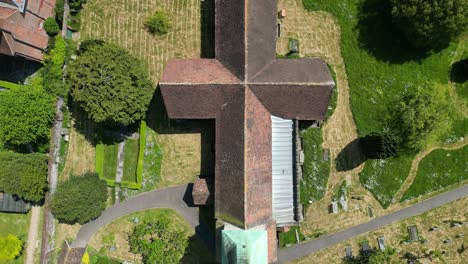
<point>12,204</point>
<point>413,233</point>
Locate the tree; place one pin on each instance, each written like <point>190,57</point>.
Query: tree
<point>379,145</point>
<point>75,5</point>
<point>110,84</point>
<point>431,23</point>
<point>79,199</point>
<point>24,175</point>
<point>10,247</point>
<point>157,242</point>
<point>158,23</point>
<point>423,117</point>
<point>51,27</point>
<point>26,115</point>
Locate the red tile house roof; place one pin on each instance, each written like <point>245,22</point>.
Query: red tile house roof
<point>241,89</point>
<point>21,27</point>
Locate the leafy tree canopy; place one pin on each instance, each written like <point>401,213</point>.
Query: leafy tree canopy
<point>26,115</point>
<point>79,199</point>
<point>158,23</point>
<point>423,116</point>
<point>110,84</point>
<point>158,242</point>
<point>430,23</point>
<point>10,247</point>
<point>24,175</point>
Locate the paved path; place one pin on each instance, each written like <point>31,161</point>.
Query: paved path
<point>32,234</point>
<point>302,250</point>
<point>120,162</point>
<point>164,198</point>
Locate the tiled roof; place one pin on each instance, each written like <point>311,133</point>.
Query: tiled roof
<point>29,38</point>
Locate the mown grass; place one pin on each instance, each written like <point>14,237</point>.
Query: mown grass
<point>381,68</point>
<point>130,160</point>
<point>111,151</point>
<point>18,225</point>
<point>384,177</point>
<point>316,171</point>
<point>287,238</point>
<point>438,170</point>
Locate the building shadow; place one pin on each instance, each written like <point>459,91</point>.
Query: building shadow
<point>158,120</point>
<point>17,70</point>
<point>350,157</point>
<point>381,38</point>
<point>207,28</point>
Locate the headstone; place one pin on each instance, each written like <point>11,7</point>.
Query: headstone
<point>301,157</point>
<point>294,46</point>
<point>334,207</point>
<point>297,236</point>
<point>413,233</point>
<point>348,180</point>
<point>365,249</point>
<point>136,220</point>
<point>371,211</point>
<point>66,138</point>
<point>447,241</point>
<point>344,203</point>
<point>278,30</point>
<point>349,252</point>
<point>282,13</point>
<point>326,154</point>
<point>381,241</point>
<point>64,131</point>
<point>434,228</point>
<point>112,248</point>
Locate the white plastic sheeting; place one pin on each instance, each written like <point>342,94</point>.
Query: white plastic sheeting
<point>282,169</point>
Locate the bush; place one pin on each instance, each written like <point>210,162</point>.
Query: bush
<point>51,27</point>
<point>80,199</point>
<point>10,247</point>
<point>157,242</point>
<point>158,23</point>
<point>59,9</point>
<point>53,70</point>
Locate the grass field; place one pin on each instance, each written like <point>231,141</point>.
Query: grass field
<point>438,170</point>
<point>110,160</point>
<point>116,234</point>
<point>316,170</point>
<point>384,177</point>
<point>381,68</point>
<point>18,225</point>
<point>130,160</point>
<point>190,36</point>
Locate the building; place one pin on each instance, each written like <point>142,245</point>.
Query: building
<point>12,204</point>
<point>256,101</point>
<point>21,27</point>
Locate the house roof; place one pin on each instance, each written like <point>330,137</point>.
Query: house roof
<point>23,34</point>
<point>12,204</point>
<point>241,89</point>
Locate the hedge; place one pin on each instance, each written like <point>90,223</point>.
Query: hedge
<point>141,154</point>
<point>9,85</point>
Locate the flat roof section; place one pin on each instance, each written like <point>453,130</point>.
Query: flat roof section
<point>282,170</point>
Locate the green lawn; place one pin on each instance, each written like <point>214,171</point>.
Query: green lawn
<point>287,238</point>
<point>130,160</point>
<point>110,160</point>
<point>316,170</point>
<point>438,170</point>
<point>383,178</point>
<point>381,68</point>
<point>15,224</point>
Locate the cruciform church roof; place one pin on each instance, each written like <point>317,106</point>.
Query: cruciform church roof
<point>241,88</point>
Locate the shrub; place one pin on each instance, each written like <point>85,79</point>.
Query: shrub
<point>59,9</point>
<point>10,247</point>
<point>157,242</point>
<point>53,70</point>
<point>51,27</point>
<point>79,199</point>
<point>158,23</point>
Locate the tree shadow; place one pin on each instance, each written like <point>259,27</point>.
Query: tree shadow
<point>459,71</point>
<point>207,28</point>
<point>158,120</point>
<point>381,38</point>
<point>350,157</point>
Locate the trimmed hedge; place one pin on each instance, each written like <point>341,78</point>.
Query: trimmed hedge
<point>9,85</point>
<point>141,155</point>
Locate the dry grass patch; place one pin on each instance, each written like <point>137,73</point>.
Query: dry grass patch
<point>396,233</point>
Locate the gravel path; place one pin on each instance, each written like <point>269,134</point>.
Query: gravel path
<point>32,235</point>
<point>302,250</point>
